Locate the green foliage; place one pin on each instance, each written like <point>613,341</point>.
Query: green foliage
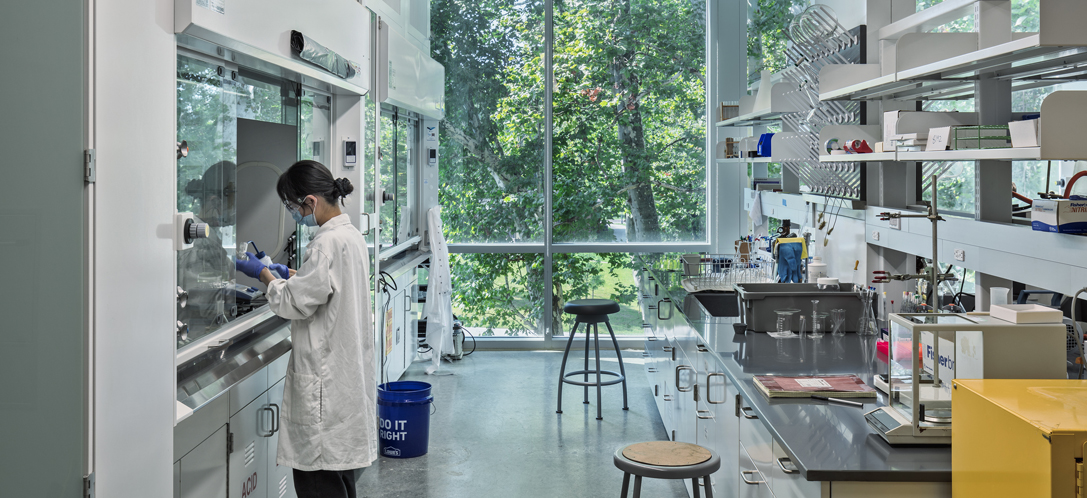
<point>767,39</point>
<point>628,140</point>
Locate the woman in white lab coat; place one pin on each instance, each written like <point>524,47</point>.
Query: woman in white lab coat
<point>329,397</point>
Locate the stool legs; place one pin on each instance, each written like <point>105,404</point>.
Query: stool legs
<point>619,356</point>
<point>694,481</point>
<point>562,369</point>
<point>626,483</point>
<point>596,346</point>
<point>588,329</point>
<point>709,487</point>
<point>637,486</point>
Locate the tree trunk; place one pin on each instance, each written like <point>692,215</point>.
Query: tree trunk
<point>645,226</point>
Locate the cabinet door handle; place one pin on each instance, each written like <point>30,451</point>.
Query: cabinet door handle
<point>407,303</point>
<point>709,393</point>
<point>781,465</point>
<point>703,349</point>
<point>667,397</point>
<point>704,414</point>
<point>679,387</point>
<point>275,418</point>
<point>744,473</point>
<point>260,421</point>
<point>659,308</point>
<point>743,411</point>
<point>652,370</point>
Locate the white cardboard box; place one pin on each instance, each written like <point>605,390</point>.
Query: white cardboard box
<point>1059,216</point>
<point>1026,133</point>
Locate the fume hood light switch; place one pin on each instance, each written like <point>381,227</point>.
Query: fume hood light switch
<point>960,255</point>
<point>896,223</point>
<point>350,153</point>
<point>875,235</point>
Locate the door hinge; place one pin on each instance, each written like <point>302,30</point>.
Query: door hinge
<point>229,443</point>
<point>89,168</point>
<point>88,485</point>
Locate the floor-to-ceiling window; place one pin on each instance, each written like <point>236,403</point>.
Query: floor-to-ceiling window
<point>624,114</point>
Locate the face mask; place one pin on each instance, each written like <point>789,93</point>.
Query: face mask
<point>307,220</point>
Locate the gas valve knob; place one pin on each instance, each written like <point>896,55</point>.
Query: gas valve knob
<point>196,230</point>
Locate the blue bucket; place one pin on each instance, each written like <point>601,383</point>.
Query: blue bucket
<point>403,411</point>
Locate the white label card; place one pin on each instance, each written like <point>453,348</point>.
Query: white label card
<point>213,5</point>
<point>938,138</point>
<point>817,383</point>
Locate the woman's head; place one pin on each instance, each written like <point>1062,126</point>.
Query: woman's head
<point>311,178</point>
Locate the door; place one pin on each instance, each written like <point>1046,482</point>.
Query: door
<point>250,429</point>
<point>280,478</point>
<point>202,472</point>
<point>718,426</point>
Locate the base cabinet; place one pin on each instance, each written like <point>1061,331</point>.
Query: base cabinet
<point>202,472</point>
<point>238,458</point>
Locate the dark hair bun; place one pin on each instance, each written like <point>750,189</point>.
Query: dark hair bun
<point>343,187</point>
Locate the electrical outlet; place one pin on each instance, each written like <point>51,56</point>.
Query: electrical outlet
<point>875,234</point>
<point>896,223</point>
<point>960,255</point>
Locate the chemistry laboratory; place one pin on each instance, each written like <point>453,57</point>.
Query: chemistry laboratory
<point>543,248</point>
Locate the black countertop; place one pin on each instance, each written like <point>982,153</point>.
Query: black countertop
<point>827,442</point>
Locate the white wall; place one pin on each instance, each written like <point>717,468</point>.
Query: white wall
<point>135,260</point>
<point>347,121</point>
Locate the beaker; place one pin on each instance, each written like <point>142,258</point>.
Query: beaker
<point>837,318</point>
<point>818,325</point>
<point>785,319</point>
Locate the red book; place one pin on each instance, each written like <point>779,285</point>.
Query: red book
<point>838,386</point>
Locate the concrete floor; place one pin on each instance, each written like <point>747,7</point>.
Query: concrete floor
<point>496,434</point>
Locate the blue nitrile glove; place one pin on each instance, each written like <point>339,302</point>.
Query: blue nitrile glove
<point>789,262</point>
<point>282,270</point>
<point>251,267</point>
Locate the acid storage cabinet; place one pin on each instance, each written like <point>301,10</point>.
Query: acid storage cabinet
<point>1018,437</point>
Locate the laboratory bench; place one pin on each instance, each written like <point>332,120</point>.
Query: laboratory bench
<point>701,371</point>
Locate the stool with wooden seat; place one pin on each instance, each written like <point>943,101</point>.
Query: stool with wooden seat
<point>667,460</point>
<point>592,312</point>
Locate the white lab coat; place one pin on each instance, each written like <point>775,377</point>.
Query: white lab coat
<point>439,327</point>
<point>329,414</point>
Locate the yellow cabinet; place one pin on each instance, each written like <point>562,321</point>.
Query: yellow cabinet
<point>1018,437</point>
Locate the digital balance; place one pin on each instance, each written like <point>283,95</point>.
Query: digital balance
<point>956,346</point>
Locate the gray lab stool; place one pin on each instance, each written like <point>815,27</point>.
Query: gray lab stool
<point>667,460</point>
<point>591,312</point>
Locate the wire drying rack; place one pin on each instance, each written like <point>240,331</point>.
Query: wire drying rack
<point>719,272</point>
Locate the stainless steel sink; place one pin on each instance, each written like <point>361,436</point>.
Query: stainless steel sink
<point>719,304</point>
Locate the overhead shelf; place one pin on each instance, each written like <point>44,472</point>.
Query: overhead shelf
<point>945,66</point>
<point>746,160</point>
<point>859,158</point>
<point>1024,61</point>
<point>1010,154</point>
<point>760,118</point>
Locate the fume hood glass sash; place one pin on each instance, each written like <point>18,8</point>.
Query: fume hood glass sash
<point>207,186</point>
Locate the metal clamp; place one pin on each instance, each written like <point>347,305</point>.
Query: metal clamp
<point>709,398</point>
<point>781,465</point>
<point>743,411</point>
<point>744,473</point>
<point>679,387</point>
<point>708,414</point>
